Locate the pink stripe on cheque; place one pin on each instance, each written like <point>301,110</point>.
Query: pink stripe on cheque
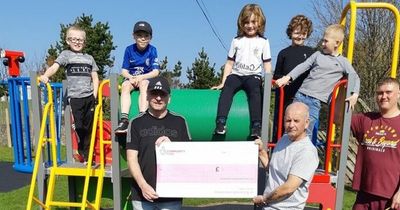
<point>225,173</point>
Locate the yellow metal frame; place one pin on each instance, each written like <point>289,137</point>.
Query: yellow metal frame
<point>353,6</point>
<point>48,113</point>
<point>55,170</point>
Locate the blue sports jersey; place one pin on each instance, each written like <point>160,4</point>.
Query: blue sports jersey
<point>140,62</point>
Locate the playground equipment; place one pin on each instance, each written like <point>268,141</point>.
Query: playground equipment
<point>12,60</point>
<point>118,173</point>
<point>200,119</point>
<point>19,96</point>
<point>321,190</point>
<point>56,170</point>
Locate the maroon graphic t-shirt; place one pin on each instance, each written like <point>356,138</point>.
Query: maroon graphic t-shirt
<point>377,169</point>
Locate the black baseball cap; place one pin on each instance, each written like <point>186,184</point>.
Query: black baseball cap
<point>143,26</point>
<point>159,83</point>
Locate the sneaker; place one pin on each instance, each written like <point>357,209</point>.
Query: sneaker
<point>78,158</point>
<point>220,129</point>
<point>256,131</point>
<point>86,163</point>
<point>122,126</point>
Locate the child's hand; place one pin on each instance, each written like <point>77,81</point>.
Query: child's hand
<point>44,79</point>
<point>134,81</point>
<point>218,87</point>
<point>282,81</point>
<point>352,100</point>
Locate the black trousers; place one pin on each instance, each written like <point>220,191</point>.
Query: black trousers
<point>83,113</point>
<point>251,85</point>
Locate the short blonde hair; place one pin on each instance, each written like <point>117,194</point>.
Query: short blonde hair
<point>337,31</point>
<point>75,28</point>
<point>245,15</point>
<point>388,80</point>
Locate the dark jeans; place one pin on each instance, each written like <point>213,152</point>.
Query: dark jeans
<point>251,85</point>
<point>83,113</point>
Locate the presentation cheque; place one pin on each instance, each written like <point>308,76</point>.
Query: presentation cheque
<point>207,169</point>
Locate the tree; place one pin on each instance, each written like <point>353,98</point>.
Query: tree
<point>176,72</point>
<point>374,41</point>
<point>98,43</point>
<point>171,76</point>
<point>202,75</point>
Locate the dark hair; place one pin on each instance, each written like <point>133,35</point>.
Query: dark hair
<point>245,15</point>
<point>302,21</point>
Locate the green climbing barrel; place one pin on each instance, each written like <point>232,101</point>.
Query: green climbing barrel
<point>199,108</point>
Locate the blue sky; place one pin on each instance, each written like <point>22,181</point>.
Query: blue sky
<point>179,28</point>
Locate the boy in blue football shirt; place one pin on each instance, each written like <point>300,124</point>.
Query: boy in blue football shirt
<point>140,64</point>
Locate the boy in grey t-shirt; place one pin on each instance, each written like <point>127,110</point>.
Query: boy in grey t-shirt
<point>326,69</point>
<point>82,86</point>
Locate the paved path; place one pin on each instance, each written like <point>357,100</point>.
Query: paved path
<point>11,179</point>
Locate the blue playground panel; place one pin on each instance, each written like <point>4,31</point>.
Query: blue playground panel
<point>20,121</point>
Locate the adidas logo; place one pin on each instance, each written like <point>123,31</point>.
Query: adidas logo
<point>158,86</point>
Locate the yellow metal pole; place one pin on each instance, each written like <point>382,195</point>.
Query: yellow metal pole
<point>41,144</point>
<point>353,6</point>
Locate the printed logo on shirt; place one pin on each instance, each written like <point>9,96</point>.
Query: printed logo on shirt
<point>380,138</point>
<point>242,66</point>
<point>78,69</point>
<point>256,52</point>
<point>138,70</point>
<point>147,62</point>
<point>158,131</point>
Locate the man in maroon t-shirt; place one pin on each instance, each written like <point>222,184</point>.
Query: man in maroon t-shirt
<point>377,171</point>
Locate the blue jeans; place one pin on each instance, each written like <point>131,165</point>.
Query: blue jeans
<point>314,105</point>
<point>145,205</point>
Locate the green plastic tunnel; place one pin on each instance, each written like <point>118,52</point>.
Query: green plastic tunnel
<point>199,108</point>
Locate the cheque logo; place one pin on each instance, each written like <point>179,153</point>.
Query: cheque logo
<point>165,151</point>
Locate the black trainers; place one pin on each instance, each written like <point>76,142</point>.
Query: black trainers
<point>122,126</point>
<point>256,130</point>
<point>220,129</point>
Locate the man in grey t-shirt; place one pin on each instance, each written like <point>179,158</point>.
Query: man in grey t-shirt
<point>292,165</point>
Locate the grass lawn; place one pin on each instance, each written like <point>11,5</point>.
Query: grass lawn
<point>16,200</point>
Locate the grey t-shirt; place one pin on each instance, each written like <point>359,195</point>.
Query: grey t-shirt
<point>298,158</point>
<point>325,72</point>
<point>79,68</point>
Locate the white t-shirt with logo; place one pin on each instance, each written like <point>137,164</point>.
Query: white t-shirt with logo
<point>249,55</point>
